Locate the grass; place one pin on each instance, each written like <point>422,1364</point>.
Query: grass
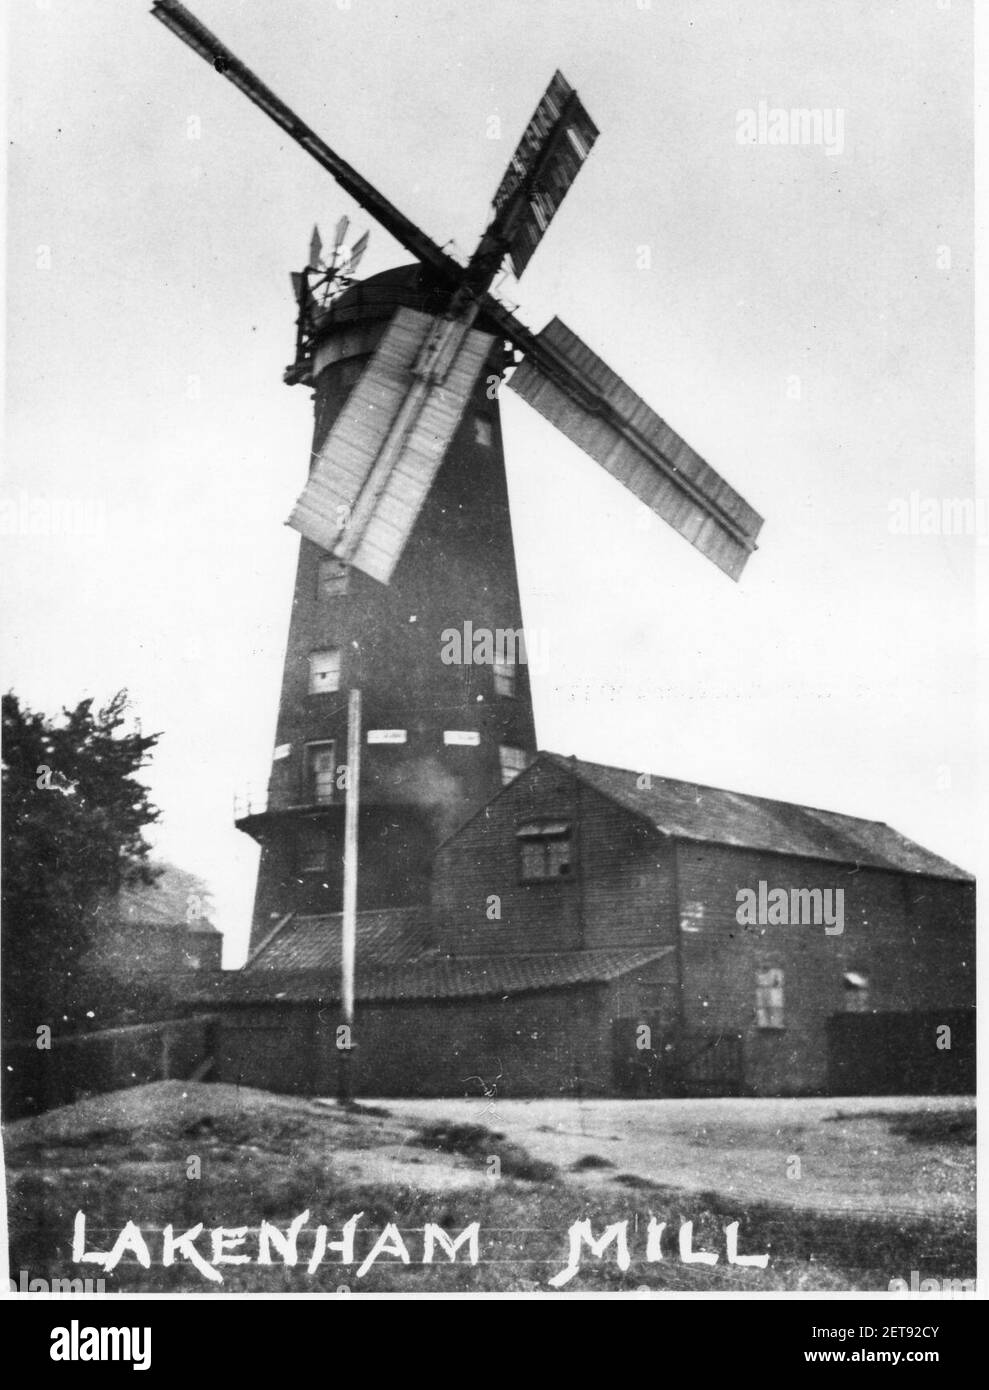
<point>479,1142</point>
<point>934,1127</point>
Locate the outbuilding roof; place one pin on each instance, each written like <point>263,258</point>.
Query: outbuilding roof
<point>301,963</point>
<point>689,811</point>
<point>387,936</point>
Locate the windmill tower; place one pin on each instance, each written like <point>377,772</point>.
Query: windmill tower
<point>404,515</point>
<point>441,737</point>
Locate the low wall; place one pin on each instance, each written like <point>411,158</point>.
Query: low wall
<point>83,1064</point>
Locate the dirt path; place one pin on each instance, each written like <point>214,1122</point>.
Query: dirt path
<point>791,1152</point>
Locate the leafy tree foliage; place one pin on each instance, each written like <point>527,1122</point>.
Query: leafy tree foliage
<point>74,816</point>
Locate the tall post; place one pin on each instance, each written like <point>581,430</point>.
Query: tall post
<point>680,1047</point>
<point>349,933</point>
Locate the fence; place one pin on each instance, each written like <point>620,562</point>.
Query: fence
<point>85,1064</point>
<point>897,1054</point>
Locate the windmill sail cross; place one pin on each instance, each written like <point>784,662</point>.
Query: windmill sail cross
<point>559,376</point>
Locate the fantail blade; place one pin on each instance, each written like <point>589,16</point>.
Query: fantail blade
<point>340,233</point>
<point>356,252</point>
<point>315,247</point>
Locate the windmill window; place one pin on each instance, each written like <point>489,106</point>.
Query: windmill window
<point>513,761</point>
<point>769,999</point>
<point>324,671</point>
<point>333,579</point>
<point>483,433</point>
<point>504,678</point>
<point>313,848</point>
<point>320,774</point>
<point>545,850</point>
<point>856,992</point>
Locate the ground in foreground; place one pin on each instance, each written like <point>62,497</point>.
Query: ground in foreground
<point>839,1195</point>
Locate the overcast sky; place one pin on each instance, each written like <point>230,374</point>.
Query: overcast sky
<point>801,314</point>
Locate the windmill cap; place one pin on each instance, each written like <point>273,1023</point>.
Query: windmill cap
<point>405,286</point>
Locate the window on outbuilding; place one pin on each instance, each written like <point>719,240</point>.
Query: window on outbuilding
<point>324,671</point>
<point>769,999</point>
<point>545,850</point>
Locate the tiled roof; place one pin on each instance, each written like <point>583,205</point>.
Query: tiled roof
<point>389,937</point>
<point>708,814</point>
<point>432,977</point>
<point>175,899</point>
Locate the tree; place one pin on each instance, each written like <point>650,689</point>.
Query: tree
<point>74,817</point>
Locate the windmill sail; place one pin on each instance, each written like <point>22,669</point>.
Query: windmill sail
<point>594,407</point>
<point>371,476</point>
<point>553,147</point>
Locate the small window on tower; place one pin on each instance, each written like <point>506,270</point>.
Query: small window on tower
<point>504,678</point>
<point>324,671</point>
<point>319,770</point>
<point>769,999</point>
<point>313,848</point>
<point>483,433</point>
<point>513,761</point>
<point>333,578</point>
<point>545,850</point>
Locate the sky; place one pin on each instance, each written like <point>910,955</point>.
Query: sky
<point>800,312</point>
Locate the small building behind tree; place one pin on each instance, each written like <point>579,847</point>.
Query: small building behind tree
<point>148,941</point>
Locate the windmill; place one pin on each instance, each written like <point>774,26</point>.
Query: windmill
<point>405,512</point>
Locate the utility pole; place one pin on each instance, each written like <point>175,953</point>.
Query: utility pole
<point>349,933</point>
